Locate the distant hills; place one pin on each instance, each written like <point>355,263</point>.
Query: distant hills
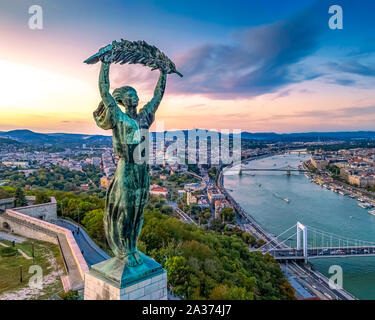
<point>34,138</point>
<point>310,136</point>
<point>70,139</point>
<point>6,141</point>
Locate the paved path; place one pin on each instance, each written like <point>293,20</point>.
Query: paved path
<point>180,212</point>
<point>24,254</point>
<point>91,252</point>
<point>10,237</point>
<point>75,279</point>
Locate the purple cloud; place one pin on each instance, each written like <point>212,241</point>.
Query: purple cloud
<point>262,60</point>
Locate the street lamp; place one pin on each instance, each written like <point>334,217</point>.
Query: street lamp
<point>33,252</point>
<point>79,220</point>
<point>62,209</point>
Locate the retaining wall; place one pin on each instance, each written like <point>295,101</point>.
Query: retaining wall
<point>44,211</point>
<point>34,228</point>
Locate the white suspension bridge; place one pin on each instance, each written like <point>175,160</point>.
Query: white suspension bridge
<point>311,242</point>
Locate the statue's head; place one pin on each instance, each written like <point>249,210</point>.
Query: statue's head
<point>127,97</point>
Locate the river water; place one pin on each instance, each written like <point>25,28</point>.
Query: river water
<point>261,194</point>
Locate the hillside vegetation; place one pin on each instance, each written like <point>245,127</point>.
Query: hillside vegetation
<point>201,264</point>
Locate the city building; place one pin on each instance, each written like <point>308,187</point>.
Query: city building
<point>158,191</point>
<point>190,198</point>
<point>193,186</point>
<point>84,187</point>
<point>220,205</point>
<point>104,182</point>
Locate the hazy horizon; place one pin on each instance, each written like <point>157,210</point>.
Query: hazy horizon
<point>106,133</point>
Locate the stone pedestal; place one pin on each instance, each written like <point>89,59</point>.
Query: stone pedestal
<point>111,280</point>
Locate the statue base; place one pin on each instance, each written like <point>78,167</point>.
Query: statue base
<point>112,280</point>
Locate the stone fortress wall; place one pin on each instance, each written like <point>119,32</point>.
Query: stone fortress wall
<point>13,222</point>
<point>30,222</point>
<point>45,211</point>
<point>9,202</point>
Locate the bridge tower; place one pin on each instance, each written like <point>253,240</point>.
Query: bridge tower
<point>303,229</point>
<point>288,171</point>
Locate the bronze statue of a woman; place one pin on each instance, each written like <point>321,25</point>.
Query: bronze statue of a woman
<point>129,188</point>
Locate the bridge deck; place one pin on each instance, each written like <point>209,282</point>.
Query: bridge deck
<point>270,169</point>
<point>331,252</point>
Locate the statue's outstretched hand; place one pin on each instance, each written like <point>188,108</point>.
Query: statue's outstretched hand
<point>105,59</point>
<point>105,54</point>
<point>165,70</point>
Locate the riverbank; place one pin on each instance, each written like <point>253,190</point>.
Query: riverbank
<point>366,200</point>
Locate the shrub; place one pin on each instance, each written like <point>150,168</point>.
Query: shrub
<point>70,295</point>
<point>7,252</point>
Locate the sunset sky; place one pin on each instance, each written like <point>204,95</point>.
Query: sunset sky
<point>259,66</point>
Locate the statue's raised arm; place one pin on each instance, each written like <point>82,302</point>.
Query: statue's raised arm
<point>107,113</point>
<point>104,85</point>
<point>150,108</point>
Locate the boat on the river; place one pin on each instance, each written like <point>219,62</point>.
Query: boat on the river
<point>287,200</point>
<point>372,212</point>
<point>365,205</point>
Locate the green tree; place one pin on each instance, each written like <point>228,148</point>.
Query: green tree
<point>227,214</point>
<point>223,292</point>
<point>178,274</point>
<point>248,238</point>
<point>166,209</point>
<point>93,221</point>
<point>41,197</point>
<point>4,194</point>
<point>19,198</point>
<point>260,242</point>
<point>70,295</point>
<point>288,290</point>
<point>212,173</point>
<point>199,260</point>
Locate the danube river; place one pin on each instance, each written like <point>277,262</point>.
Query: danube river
<point>262,194</point>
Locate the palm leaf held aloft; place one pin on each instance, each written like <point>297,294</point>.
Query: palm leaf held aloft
<point>132,52</point>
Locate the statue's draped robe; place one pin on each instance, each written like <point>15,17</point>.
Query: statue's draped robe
<point>129,188</point>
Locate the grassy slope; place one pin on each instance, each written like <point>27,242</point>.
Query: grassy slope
<point>10,268</point>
